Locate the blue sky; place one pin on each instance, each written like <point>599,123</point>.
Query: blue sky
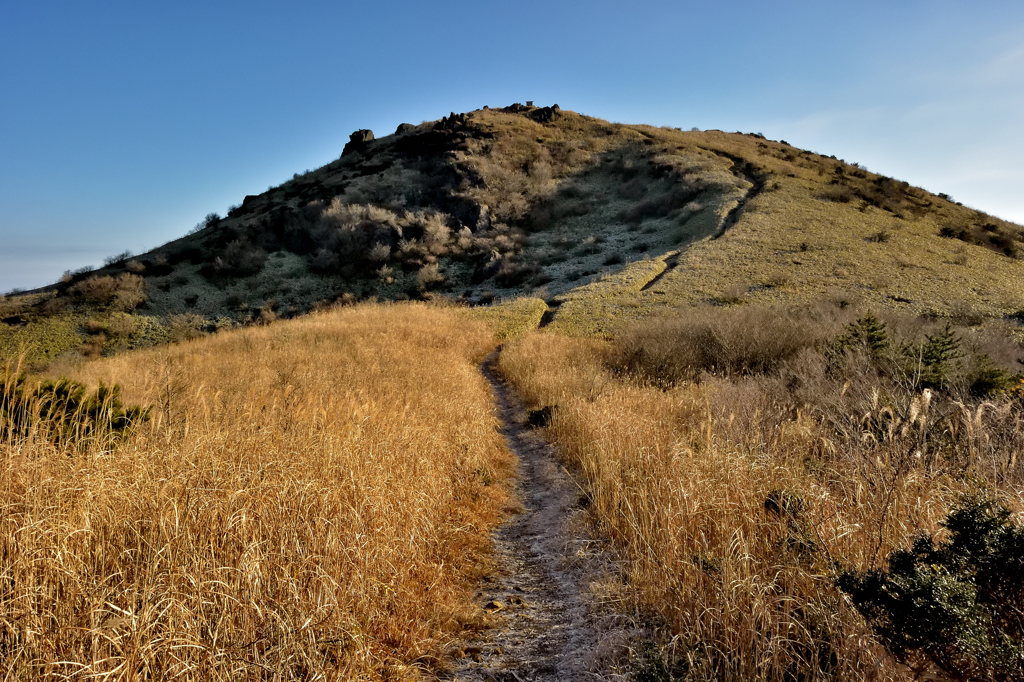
<point>123,124</point>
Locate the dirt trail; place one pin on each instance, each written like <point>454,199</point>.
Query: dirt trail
<point>745,170</point>
<point>549,315</point>
<point>549,624</point>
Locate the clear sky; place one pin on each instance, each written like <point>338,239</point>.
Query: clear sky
<point>123,123</point>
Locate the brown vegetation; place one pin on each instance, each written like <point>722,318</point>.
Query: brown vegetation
<point>309,500</point>
<point>739,488</point>
<point>124,292</point>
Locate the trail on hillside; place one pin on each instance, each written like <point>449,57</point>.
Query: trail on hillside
<point>549,315</point>
<point>742,169</point>
<point>548,624</point>
<point>670,263</point>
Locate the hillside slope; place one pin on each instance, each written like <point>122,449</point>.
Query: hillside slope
<point>601,220</point>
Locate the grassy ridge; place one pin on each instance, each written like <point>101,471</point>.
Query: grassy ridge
<point>810,232</point>
<point>308,499</point>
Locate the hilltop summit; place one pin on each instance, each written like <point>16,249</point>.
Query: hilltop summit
<point>611,219</point>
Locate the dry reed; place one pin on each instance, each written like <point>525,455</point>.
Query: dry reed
<point>734,511</point>
<point>310,500</point>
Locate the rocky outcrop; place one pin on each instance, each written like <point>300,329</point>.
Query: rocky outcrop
<point>453,122</point>
<point>404,128</point>
<point>357,141</point>
<point>539,114</point>
<point>546,114</point>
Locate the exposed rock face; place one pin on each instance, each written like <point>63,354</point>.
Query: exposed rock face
<point>546,114</point>
<point>404,128</point>
<point>541,114</point>
<point>357,141</point>
<point>452,122</point>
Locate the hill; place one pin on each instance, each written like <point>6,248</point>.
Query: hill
<point>602,221</point>
<point>821,395</point>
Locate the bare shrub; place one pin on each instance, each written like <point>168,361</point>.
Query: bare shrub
<point>98,289</point>
<point>436,233</point>
<point>268,313</point>
<point>135,267</point>
<point>130,293</point>
<point>240,258</point>
<point>514,274</point>
<point>713,340</point>
<point>732,293</point>
<point>465,239</point>
<point>380,252</point>
<point>185,327</point>
<point>117,258</point>
<point>428,276</point>
<point>123,292</point>
<point>325,260</point>
<point>210,220</point>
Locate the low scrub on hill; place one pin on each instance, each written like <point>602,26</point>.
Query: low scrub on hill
<point>742,461</point>
<point>308,500</point>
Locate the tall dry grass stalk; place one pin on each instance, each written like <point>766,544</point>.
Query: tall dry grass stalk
<point>310,500</point>
<point>734,511</point>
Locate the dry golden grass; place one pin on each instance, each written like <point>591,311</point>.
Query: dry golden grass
<point>311,500</point>
<point>679,480</point>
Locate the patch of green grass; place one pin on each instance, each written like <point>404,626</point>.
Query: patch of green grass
<point>42,340</point>
<point>511,318</point>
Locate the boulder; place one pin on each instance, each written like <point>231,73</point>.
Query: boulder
<point>452,122</point>
<point>357,141</point>
<point>545,114</point>
<point>404,128</point>
<point>361,136</point>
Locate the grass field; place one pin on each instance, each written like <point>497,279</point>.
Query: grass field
<point>314,497</point>
<point>796,242</point>
<point>736,503</point>
<point>309,500</point>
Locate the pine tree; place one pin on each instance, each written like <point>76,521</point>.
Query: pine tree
<point>867,332</point>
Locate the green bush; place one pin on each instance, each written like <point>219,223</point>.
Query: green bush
<point>867,333</point>
<point>63,411</point>
<point>959,605</point>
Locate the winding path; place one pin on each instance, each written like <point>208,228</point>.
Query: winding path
<point>744,170</point>
<point>549,626</point>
